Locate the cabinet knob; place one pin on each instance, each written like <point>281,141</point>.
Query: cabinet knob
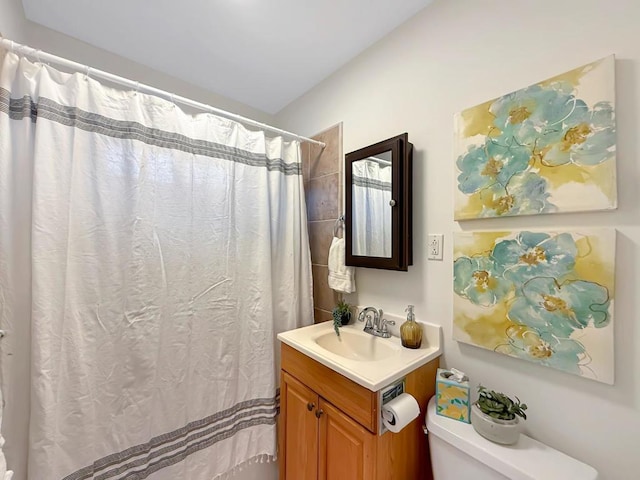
<point>311,406</point>
<point>392,203</point>
<point>319,413</point>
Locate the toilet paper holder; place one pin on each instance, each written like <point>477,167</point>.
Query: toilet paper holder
<point>385,395</point>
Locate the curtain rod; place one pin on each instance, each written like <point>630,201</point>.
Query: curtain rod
<point>43,57</point>
<point>380,160</point>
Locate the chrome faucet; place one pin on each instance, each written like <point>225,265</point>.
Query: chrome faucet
<point>375,323</point>
<point>371,323</point>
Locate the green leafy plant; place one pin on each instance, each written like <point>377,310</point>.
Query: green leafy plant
<point>498,405</point>
<point>341,311</point>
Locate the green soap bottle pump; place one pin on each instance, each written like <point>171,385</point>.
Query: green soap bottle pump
<point>411,331</point>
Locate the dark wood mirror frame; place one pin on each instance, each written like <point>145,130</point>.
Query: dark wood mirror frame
<point>401,212</point>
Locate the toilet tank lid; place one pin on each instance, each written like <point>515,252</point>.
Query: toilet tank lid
<point>526,460</point>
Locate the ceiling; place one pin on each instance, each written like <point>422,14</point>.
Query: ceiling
<point>263,53</point>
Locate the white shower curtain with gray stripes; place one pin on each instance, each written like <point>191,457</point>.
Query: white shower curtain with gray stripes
<point>148,259</point>
<point>371,193</point>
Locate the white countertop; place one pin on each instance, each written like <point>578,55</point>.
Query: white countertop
<point>373,375</point>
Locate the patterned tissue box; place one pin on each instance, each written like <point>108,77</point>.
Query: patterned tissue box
<point>452,397</point>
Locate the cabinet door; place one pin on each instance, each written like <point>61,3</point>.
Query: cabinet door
<point>346,448</point>
<point>299,406</point>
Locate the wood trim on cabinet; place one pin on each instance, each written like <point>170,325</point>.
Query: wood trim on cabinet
<point>356,401</point>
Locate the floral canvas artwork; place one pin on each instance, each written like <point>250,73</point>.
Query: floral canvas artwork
<point>546,297</point>
<point>547,148</point>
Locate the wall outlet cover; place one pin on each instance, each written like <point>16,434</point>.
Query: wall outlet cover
<point>435,244</point>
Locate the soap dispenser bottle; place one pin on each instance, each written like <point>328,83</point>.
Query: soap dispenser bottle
<point>411,331</point>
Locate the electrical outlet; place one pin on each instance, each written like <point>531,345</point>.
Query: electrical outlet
<point>434,246</point>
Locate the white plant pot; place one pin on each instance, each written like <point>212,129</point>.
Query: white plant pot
<point>505,432</point>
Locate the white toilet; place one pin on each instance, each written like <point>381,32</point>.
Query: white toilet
<point>458,452</point>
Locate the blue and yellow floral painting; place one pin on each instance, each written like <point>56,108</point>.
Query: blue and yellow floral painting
<point>547,148</point>
<point>546,297</point>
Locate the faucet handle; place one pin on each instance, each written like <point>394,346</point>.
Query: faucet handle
<point>386,322</point>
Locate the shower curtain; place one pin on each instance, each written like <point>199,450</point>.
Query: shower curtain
<point>371,211</point>
<point>148,259</point>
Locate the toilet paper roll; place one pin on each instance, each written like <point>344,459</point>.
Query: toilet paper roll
<point>399,412</point>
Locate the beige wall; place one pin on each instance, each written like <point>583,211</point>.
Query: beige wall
<point>456,54</point>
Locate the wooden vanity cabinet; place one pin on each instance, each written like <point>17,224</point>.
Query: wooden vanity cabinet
<point>322,441</point>
<point>329,427</point>
<point>301,428</point>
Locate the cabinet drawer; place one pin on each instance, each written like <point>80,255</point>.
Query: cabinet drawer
<point>354,400</point>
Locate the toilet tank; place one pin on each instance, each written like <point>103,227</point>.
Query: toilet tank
<point>459,452</point>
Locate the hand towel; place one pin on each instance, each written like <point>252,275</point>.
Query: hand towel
<point>341,277</point>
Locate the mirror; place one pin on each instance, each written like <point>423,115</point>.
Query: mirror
<point>378,227</point>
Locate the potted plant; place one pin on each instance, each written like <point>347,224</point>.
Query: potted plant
<point>495,416</point>
<point>341,315</point>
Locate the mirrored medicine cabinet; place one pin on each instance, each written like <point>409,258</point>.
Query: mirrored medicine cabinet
<point>378,215</point>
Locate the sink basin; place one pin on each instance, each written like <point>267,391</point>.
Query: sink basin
<point>357,346</point>
<point>371,362</point>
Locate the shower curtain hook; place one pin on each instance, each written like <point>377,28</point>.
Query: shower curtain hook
<point>87,72</point>
<point>137,88</point>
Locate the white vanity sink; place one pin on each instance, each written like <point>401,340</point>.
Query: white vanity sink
<point>370,361</point>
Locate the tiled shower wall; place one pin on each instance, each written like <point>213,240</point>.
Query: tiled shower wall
<point>322,171</point>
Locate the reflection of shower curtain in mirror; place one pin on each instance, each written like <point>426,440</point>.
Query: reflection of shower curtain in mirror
<point>371,210</point>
